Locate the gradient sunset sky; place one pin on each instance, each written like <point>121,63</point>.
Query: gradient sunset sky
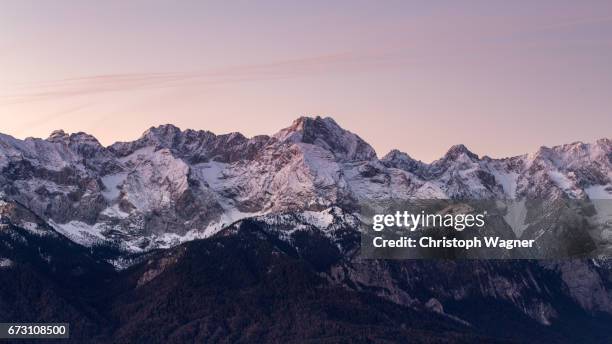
<point>501,77</point>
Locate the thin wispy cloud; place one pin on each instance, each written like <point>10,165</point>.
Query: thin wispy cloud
<point>50,118</point>
<point>282,69</point>
<point>105,83</point>
<point>577,23</point>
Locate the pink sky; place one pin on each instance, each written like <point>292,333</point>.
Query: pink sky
<point>501,77</point>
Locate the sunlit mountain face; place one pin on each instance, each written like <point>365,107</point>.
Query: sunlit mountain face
<point>188,236</point>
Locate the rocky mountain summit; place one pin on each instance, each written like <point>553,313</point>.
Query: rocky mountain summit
<point>190,215</point>
<point>171,186</point>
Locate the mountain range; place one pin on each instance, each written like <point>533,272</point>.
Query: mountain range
<point>189,236</point>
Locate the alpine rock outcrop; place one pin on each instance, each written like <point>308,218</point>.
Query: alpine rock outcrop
<point>71,204</point>
<point>171,186</point>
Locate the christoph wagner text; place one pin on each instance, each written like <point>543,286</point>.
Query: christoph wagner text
<point>429,242</point>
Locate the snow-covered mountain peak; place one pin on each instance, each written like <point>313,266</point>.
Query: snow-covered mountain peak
<point>398,159</point>
<point>577,155</point>
<point>303,128</point>
<point>75,139</point>
<point>604,142</point>
<point>84,138</point>
<point>164,135</point>
<point>326,133</point>
<point>195,146</point>
<point>397,155</point>
<point>172,183</point>
<point>456,151</point>
<point>57,135</point>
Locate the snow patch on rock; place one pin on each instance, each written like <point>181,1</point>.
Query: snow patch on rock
<point>6,263</point>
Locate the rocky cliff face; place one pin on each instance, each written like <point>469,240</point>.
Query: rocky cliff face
<point>299,191</point>
<point>170,186</point>
<point>278,277</point>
